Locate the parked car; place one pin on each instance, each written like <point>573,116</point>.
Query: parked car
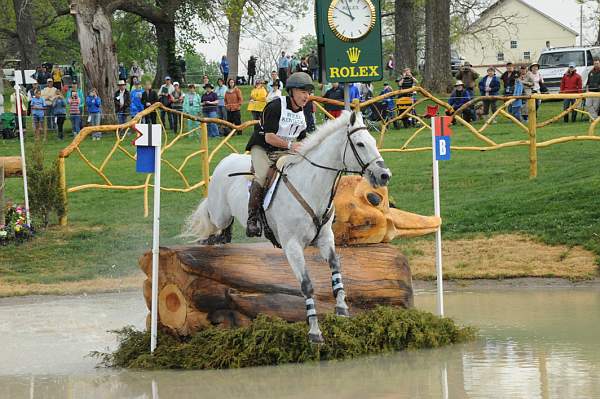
<point>555,61</point>
<point>456,61</point>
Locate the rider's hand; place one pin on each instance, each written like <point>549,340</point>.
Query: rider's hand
<point>296,146</point>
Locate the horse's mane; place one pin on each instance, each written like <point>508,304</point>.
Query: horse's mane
<point>324,131</point>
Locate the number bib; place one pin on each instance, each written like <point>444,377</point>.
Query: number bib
<point>291,124</point>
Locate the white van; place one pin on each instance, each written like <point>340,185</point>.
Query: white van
<point>555,61</point>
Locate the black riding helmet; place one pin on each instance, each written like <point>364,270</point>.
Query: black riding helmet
<point>299,80</point>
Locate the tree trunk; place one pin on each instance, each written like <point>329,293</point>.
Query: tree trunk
<point>405,38</point>
<point>437,76</point>
<point>231,284</point>
<point>94,31</point>
<point>234,18</point>
<point>165,62</point>
<point>26,35</point>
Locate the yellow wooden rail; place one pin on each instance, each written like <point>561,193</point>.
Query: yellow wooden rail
<point>206,155</point>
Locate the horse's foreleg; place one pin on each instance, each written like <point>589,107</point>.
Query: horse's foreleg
<point>295,256</point>
<point>327,248</point>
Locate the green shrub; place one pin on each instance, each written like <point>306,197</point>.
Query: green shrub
<point>45,196</point>
<point>271,341</point>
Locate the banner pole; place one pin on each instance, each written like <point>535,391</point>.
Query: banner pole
<point>22,142</point>
<point>155,246</point>
<point>438,233</point>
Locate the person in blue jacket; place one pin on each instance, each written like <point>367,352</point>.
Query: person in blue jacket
<point>136,98</point>
<point>489,85</point>
<point>515,107</point>
<point>354,92</point>
<point>93,104</point>
<point>458,98</point>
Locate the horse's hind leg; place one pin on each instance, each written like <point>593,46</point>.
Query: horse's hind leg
<point>326,246</point>
<point>295,256</point>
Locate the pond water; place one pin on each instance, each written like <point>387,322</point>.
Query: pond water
<point>533,344</point>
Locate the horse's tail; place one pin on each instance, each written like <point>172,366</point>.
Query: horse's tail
<point>198,225</point>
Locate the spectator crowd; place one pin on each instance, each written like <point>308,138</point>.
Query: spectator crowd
<point>57,96</point>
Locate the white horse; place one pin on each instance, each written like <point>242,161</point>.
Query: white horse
<point>343,144</point>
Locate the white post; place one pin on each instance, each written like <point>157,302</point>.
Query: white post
<point>155,247</point>
<point>22,140</point>
<point>438,233</point>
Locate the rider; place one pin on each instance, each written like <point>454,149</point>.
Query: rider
<point>282,126</point>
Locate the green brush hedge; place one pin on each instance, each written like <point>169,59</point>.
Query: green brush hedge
<point>270,341</point>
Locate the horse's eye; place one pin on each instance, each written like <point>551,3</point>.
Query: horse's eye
<point>360,144</point>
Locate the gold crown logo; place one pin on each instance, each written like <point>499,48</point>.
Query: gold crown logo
<point>353,54</point>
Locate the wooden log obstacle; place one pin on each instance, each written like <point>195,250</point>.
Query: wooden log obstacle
<point>229,285</point>
<point>9,167</point>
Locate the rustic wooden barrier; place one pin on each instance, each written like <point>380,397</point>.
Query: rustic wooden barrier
<point>231,284</point>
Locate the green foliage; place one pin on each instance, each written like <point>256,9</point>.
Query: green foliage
<point>271,341</point>
<point>135,39</point>
<point>45,196</point>
<point>308,43</point>
<point>197,66</point>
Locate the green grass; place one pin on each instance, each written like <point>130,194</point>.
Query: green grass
<point>485,193</point>
<point>269,341</point>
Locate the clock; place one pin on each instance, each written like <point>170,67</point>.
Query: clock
<point>351,20</point>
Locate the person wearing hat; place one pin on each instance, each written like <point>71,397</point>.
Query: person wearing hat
<point>209,101</point>
<point>468,76</point>
<point>135,73</point>
<point>460,96</point>
<point>282,127</point>
<point>122,102</point>
<point>165,97</point>
<point>593,85</point>
<point>508,78</point>
<point>538,82</point>
<point>49,93</point>
<point>489,85</point>
<point>570,83</point>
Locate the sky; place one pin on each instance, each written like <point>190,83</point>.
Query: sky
<point>565,11</point>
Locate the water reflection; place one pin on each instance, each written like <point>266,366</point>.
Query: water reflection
<point>535,344</point>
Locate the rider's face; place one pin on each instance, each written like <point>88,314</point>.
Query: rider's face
<point>300,97</point>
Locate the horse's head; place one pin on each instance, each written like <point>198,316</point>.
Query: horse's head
<point>361,153</point>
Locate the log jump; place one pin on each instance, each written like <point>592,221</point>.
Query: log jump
<point>229,285</point>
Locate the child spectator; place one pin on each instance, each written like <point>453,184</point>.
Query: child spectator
<point>177,105</point>
<point>38,107</point>
<point>191,105</point>
<point>93,103</point>
<point>136,99</point>
<point>75,112</point>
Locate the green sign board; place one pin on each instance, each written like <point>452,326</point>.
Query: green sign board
<point>349,40</point>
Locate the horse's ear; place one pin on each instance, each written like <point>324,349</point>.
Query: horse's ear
<point>353,119</point>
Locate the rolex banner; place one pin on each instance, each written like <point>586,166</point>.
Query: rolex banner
<point>349,40</point>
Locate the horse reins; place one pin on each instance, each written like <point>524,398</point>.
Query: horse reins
<point>320,222</point>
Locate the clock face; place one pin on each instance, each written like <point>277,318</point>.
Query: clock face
<point>350,20</point>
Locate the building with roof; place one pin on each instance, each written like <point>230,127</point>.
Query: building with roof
<point>512,30</point>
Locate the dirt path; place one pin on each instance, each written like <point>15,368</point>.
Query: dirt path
<point>74,287</point>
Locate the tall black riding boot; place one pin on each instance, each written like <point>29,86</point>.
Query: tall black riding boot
<point>253,228</point>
